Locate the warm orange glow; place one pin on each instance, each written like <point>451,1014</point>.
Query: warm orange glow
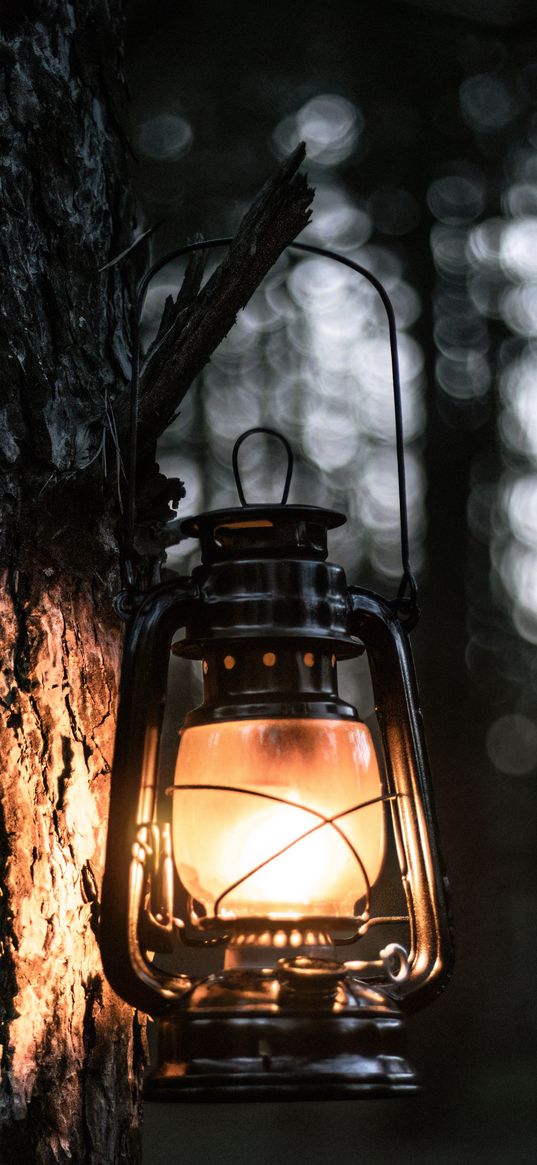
<point>327,766</point>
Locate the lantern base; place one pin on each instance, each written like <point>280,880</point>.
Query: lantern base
<point>244,1037</point>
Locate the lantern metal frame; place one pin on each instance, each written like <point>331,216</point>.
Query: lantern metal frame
<point>138,888</point>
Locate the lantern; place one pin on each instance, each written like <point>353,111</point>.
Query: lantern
<point>287,831</point>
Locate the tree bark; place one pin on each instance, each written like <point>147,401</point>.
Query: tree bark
<point>71,1053</point>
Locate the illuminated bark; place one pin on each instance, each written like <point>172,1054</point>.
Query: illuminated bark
<point>72,1053</point>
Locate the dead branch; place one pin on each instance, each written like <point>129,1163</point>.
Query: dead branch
<point>192,332</point>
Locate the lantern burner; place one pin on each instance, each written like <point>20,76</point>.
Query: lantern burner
<point>253,948</point>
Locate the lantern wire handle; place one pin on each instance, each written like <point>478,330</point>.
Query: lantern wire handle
<point>408,582</point>
<point>235,462</point>
<point>406,600</point>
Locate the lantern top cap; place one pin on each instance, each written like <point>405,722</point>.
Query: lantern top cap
<point>264,531</point>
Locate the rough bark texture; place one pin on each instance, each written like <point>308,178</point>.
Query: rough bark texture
<point>71,1051</point>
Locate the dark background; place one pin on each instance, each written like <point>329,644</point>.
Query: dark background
<point>421,126</point>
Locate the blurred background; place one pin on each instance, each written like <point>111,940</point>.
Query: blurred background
<point>420,122</point>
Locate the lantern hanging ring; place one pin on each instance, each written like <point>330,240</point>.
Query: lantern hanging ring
<point>405,602</point>
<point>235,461</point>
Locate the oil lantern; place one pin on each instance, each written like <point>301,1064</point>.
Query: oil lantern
<point>290,829</point>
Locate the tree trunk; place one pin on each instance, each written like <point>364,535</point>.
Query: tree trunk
<point>72,1053</point>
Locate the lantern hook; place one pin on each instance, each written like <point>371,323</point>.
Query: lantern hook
<point>396,962</point>
<point>235,461</point>
<point>127,601</point>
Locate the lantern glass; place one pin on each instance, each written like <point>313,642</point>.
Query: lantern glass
<point>281,819</point>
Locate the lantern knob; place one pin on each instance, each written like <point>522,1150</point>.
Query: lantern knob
<point>309,982</point>
<point>235,461</point>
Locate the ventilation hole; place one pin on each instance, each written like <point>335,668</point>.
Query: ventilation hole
<point>205,667</point>
<point>229,662</point>
<point>269,659</point>
<point>309,658</point>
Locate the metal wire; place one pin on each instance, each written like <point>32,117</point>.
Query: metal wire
<point>322,821</point>
<point>408,581</point>
<point>407,592</point>
<point>235,461</point>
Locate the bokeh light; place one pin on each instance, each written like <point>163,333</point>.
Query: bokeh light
<point>337,221</point>
<point>165,137</point>
<point>519,501</point>
<point>519,309</point>
<point>512,744</point>
<point>488,104</point>
<point>458,197</point>
<point>330,126</point>
<point>518,248</point>
<point>518,416</point>
<point>449,248</point>
<point>485,242</point>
